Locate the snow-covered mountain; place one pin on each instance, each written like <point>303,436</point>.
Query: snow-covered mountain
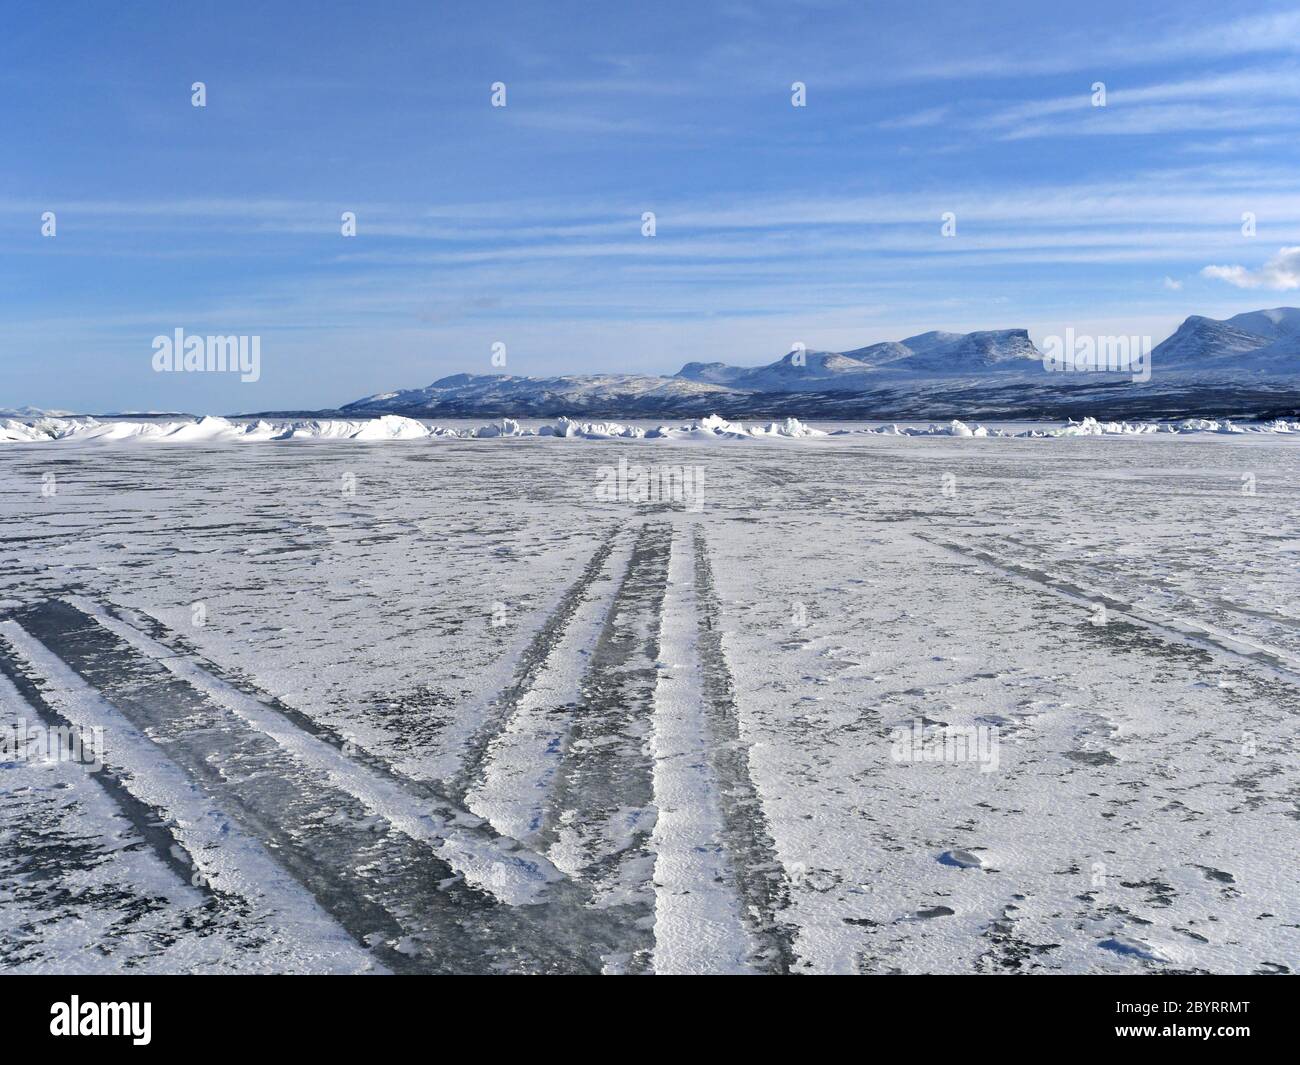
<point>1247,365</point>
<point>31,412</point>
<point>1280,323</point>
<point>1257,342</point>
<point>932,354</point>
<point>506,394</point>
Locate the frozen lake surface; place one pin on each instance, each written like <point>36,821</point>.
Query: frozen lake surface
<point>848,704</point>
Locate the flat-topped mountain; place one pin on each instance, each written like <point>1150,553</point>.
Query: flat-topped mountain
<point>1247,365</point>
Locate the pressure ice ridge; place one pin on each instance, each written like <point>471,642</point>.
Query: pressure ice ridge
<point>216,430</point>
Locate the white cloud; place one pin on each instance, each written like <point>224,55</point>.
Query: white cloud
<point>1237,100</point>
<point>1276,33</point>
<point>932,116</point>
<point>1279,273</point>
<point>1146,121</point>
<point>1172,285</point>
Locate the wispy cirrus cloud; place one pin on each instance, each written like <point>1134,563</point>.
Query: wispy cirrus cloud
<point>930,116</point>
<point>1274,33</point>
<point>1250,99</point>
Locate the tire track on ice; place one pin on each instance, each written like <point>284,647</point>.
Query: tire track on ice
<point>760,879</point>
<point>235,871</point>
<point>146,820</point>
<point>399,893</point>
<point>488,860</point>
<point>698,923</point>
<point>1178,631</point>
<point>495,716</point>
<point>600,814</point>
<point>520,764</point>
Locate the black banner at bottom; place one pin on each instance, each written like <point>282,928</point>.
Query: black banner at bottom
<point>339,1014</point>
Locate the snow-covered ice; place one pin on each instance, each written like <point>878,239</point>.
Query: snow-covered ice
<point>895,699</point>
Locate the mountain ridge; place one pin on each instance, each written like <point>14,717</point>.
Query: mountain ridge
<point>1246,365</point>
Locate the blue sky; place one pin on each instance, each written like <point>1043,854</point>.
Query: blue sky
<point>522,225</point>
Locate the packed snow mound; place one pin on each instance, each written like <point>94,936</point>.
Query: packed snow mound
<point>712,427</point>
<point>953,428</point>
<point>507,427</point>
<point>791,427</point>
<point>389,427</point>
<point>1092,427</point>
<point>567,427</point>
<point>716,427</point>
<point>1087,427</point>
